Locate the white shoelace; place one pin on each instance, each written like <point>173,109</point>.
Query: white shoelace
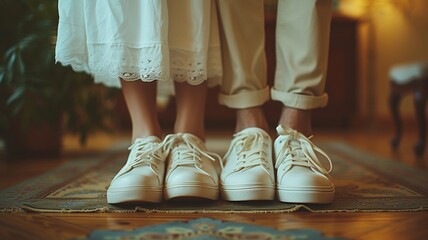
<point>289,153</point>
<point>250,149</point>
<point>144,152</point>
<point>190,154</point>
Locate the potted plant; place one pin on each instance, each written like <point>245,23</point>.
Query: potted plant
<point>38,98</point>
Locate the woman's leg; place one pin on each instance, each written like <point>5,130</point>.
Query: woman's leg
<point>141,178</point>
<point>192,171</point>
<point>190,101</point>
<point>140,99</point>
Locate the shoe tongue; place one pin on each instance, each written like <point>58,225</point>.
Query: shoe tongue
<point>280,130</point>
<point>251,143</point>
<point>251,140</point>
<point>181,144</point>
<point>297,146</point>
<point>294,145</point>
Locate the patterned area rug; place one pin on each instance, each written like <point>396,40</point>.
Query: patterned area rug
<point>207,228</point>
<point>364,182</point>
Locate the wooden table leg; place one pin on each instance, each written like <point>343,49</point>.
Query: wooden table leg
<point>420,98</point>
<point>394,102</point>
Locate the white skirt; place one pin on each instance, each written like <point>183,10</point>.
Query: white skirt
<point>144,40</point>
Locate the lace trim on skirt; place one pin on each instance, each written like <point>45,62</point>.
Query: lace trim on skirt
<point>108,63</point>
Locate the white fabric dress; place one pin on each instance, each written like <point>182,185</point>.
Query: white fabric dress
<point>144,40</point>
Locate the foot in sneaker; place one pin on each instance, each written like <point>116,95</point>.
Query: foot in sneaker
<point>192,171</point>
<point>301,178</point>
<point>248,172</point>
<point>141,179</point>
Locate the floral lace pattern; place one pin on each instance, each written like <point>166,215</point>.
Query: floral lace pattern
<point>109,63</point>
<point>196,67</point>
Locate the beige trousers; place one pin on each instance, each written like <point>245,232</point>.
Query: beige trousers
<point>302,40</point>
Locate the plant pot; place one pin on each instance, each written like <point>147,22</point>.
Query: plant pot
<point>41,140</point>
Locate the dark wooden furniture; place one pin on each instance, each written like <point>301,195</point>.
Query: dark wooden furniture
<point>407,79</point>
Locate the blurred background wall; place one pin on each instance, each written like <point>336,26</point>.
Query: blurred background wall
<point>391,32</point>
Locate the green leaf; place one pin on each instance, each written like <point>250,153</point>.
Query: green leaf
<point>17,109</point>
<point>11,61</point>
<point>18,93</point>
<point>20,64</point>
<point>2,75</point>
<point>9,52</point>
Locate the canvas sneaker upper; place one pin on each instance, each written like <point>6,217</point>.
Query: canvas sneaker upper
<point>248,172</point>
<point>142,174</point>
<point>192,171</point>
<point>301,177</point>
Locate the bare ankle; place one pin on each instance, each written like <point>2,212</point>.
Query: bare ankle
<point>251,117</point>
<point>297,119</point>
<point>196,129</point>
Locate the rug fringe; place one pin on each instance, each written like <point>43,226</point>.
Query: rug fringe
<point>12,210</point>
<point>27,208</point>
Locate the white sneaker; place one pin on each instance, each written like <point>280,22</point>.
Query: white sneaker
<point>248,172</point>
<point>192,171</point>
<point>301,178</point>
<point>141,179</point>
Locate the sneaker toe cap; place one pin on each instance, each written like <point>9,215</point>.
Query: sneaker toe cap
<point>189,175</point>
<point>136,178</point>
<point>252,176</point>
<point>305,178</point>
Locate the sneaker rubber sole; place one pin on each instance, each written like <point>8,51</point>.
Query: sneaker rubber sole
<point>248,193</point>
<point>306,196</point>
<point>191,191</point>
<point>135,194</point>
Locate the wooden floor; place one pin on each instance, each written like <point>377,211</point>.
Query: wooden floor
<point>386,225</point>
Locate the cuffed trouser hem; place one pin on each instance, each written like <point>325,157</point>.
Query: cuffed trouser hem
<point>246,99</point>
<point>299,101</point>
